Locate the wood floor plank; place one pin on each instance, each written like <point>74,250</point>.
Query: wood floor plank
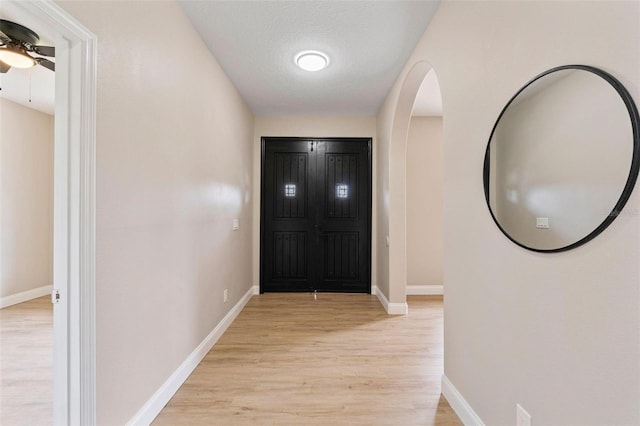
<point>26,363</point>
<point>286,360</point>
<point>290,359</point>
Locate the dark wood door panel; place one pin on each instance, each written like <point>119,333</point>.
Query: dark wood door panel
<point>291,177</point>
<point>341,191</point>
<point>341,256</point>
<point>316,215</point>
<point>286,217</point>
<point>290,255</point>
<point>345,216</point>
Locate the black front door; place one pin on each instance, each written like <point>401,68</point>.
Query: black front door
<point>316,215</point>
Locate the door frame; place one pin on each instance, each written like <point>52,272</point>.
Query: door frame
<point>369,214</point>
<point>74,365</point>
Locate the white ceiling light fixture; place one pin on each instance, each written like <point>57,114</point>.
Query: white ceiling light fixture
<point>16,58</point>
<point>312,60</point>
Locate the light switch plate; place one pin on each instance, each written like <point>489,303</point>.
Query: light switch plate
<point>542,222</point>
<point>236,224</point>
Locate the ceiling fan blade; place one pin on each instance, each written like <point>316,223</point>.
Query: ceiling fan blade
<point>4,67</point>
<point>45,50</point>
<point>46,63</point>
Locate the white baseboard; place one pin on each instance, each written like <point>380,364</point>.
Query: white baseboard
<point>25,296</point>
<point>425,290</point>
<point>459,404</point>
<point>256,289</point>
<point>391,308</point>
<point>156,403</point>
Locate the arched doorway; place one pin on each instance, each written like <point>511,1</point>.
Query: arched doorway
<point>398,181</point>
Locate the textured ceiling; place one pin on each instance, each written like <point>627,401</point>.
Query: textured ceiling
<point>255,42</point>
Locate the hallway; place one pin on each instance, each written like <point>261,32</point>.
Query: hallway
<point>340,359</point>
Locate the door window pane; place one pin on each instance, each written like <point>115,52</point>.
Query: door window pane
<point>290,190</point>
<point>342,190</point>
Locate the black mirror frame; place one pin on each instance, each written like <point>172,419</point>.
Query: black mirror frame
<point>635,160</point>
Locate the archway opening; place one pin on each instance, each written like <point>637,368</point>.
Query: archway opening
<point>416,194</point>
<point>400,132</point>
<point>424,183</point>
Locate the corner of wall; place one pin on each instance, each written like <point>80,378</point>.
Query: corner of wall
<point>391,308</point>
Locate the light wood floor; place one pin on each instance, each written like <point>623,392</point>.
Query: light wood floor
<point>286,360</point>
<point>339,360</point>
<point>26,363</point>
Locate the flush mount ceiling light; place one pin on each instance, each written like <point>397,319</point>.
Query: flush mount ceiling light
<point>16,58</point>
<point>312,60</point>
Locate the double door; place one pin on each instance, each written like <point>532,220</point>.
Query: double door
<point>316,215</point>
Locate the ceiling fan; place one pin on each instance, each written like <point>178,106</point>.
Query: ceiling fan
<point>16,42</point>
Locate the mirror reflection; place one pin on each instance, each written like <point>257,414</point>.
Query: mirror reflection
<point>558,166</point>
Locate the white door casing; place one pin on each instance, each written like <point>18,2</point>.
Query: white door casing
<point>74,208</point>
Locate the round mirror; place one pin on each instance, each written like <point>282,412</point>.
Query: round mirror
<point>562,158</point>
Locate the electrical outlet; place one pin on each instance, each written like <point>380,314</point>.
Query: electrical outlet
<point>226,295</point>
<point>522,417</point>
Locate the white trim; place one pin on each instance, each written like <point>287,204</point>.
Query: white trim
<point>256,289</point>
<point>161,397</point>
<point>391,308</point>
<point>398,309</point>
<point>459,404</point>
<point>426,290</point>
<point>25,296</point>
<point>74,392</point>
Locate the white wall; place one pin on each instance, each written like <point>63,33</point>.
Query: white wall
<point>424,201</point>
<point>26,179</point>
<point>307,126</point>
<point>174,168</point>
<point>557,333</point>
